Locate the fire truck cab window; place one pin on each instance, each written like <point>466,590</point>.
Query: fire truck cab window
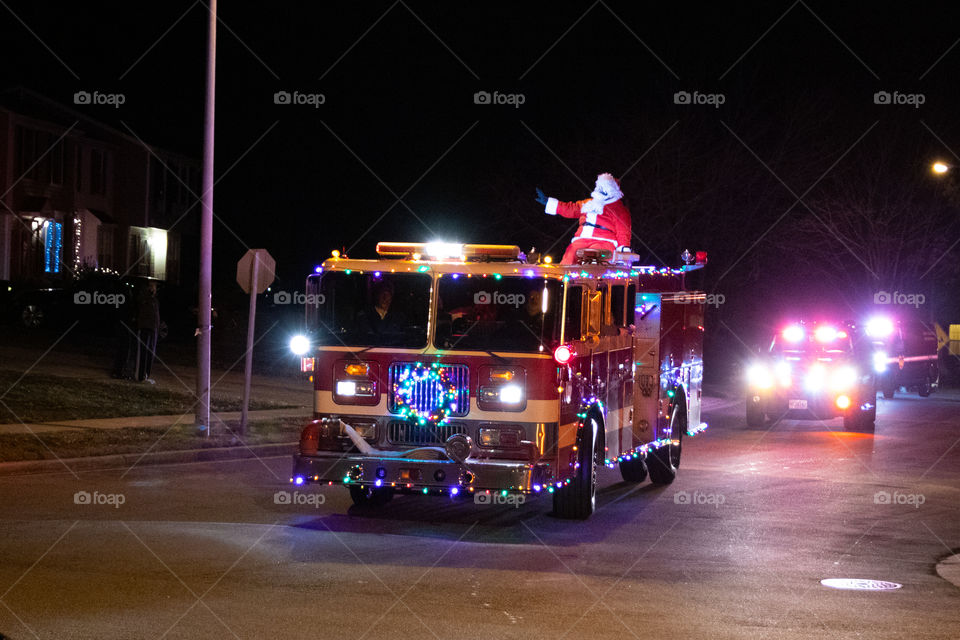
<point>574,314</point>
<point>369,309</point>
<point>617,305</point>
<point>486,314</point>
<point>631,310</point>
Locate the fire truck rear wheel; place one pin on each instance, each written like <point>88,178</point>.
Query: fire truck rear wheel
<point>663,461</point>
<point>578,499</point>
<point>370,496</point>
<point>634,470</point>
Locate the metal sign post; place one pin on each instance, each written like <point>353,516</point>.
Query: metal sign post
<point>255,272</point>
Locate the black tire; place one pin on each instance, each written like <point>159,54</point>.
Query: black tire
<point>755,415</point>
<point>861,420</point>
<point>634,470</point>
<point>370,496</point>
<point>578,499</point>
<point>663,462</point>
<point>927,386</point>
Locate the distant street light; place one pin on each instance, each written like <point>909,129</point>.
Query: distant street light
<point>941,167</point>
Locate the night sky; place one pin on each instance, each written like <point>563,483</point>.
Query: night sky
<point>598,82</point>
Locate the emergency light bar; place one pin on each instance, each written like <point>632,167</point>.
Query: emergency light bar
<point>448,251</point>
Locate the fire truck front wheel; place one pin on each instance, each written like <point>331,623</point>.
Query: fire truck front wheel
<point>663,461</point>
<point>370,496</point>
<point>578,499</point>
<point>755,414</point>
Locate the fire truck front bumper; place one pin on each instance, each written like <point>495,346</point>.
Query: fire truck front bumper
<point>426,475</point>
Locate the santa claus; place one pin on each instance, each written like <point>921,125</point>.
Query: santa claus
<point>604,218</point>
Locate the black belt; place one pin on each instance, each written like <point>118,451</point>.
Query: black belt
<point>598,226</point>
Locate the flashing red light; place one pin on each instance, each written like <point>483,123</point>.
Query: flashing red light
<point>701,257</point>
<point>563,354</point>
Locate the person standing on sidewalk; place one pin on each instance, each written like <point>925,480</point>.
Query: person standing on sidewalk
<point>148,328</point>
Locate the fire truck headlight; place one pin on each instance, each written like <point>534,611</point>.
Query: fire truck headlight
<point>511,394</point>
<point>879,361</point>
<point>299,345</point>
<point>759,376</point>
<point>843,378</point>
<point>879,327</point>
<point>346,388</point>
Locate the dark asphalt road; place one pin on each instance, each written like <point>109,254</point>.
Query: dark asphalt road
<point>203,551</point>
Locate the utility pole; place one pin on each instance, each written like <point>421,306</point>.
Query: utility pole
<point>202,416</point>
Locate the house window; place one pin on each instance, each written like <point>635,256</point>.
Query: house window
<point>39,156</point>
<point>105,246</point>
<point>78,170</point>
<point>98,172</point>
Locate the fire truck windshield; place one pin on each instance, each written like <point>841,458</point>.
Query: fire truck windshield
<point>370,309</point>
<point>497,314</point>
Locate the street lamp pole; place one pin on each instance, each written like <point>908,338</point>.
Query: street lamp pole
<point>205,298</point>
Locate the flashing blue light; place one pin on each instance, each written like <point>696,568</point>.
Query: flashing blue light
<point>318,269</point>
<point>456,275</point>
<point>454,491</point>
<point>298,480</point>
<point>378,482</point>
<point>536,487</point>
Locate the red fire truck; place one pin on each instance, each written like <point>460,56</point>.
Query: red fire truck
<point>462,370</point>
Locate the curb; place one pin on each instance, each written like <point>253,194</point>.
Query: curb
<point>127,460</point>
<point>949,569</point>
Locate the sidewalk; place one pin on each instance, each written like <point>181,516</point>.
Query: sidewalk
<point>146,422</point>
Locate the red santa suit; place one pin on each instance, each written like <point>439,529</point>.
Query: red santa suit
<point>604,219</point>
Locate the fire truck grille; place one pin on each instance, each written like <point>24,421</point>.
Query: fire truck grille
<point>427,396</point>
<point>413,434</point>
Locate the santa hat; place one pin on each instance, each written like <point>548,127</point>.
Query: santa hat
<point>607,188</point>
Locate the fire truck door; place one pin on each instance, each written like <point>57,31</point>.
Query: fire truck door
<point>646,367</point>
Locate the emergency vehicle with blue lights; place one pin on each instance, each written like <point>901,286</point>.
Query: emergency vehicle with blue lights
<point>816,371</point>
<point>905,354</point>
<point>455,370</point>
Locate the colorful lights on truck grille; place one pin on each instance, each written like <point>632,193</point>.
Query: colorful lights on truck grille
<point>412,381</point>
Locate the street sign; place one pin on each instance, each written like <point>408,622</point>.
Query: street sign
<point>255,272</point>
<point>265,274</point>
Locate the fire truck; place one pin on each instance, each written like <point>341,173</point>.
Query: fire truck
<point>815,371</point>
<point>472,371</point>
